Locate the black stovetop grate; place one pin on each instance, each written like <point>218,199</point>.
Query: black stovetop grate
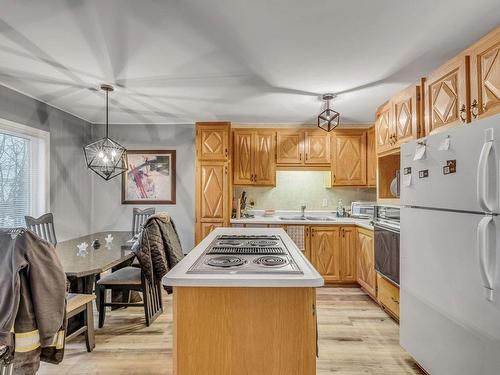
<point>246,250</point>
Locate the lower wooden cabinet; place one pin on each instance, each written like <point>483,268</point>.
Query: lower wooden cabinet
<point>388,296</point>
<point>332,252</point>
<point>365,261</point>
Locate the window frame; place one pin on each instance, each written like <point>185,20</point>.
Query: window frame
<point>40,150</point>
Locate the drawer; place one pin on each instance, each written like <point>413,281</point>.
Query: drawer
<point>388,295</point>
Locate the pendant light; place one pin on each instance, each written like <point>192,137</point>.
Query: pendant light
<point>328,119</point>
<point>106,157</point>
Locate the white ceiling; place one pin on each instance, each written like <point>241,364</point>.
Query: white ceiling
<point>250,61</point>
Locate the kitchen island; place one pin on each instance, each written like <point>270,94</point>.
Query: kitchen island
<point>245,319</point>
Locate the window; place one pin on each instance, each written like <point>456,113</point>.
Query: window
<point>23,173</point>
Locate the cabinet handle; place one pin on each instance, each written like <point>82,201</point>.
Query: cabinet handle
<point>334,177</point>
<point>474,109</point>
<point>395,300</point>
<point>300,156</point>
<point>225,152</point>
<point>463,114</point>
<point>306,155</point>
<point>254,178</point>
<point>225,169</point>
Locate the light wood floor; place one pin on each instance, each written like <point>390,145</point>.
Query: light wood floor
<point>355,337</point>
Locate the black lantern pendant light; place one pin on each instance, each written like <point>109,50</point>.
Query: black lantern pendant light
<point>328,119</point>
<point>106,157</point>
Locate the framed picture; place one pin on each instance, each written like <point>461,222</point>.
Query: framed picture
<point>150,178</point>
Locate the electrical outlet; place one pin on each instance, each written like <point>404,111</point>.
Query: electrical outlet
<point>325,202</point>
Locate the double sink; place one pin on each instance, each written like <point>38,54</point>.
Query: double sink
<point>305,218</point>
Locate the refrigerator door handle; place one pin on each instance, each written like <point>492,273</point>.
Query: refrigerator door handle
<point>483,248</point>
<point>482,172</point>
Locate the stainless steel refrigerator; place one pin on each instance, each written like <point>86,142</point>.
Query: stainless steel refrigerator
<point>450,250</point>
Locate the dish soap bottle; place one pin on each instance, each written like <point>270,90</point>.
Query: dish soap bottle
<point>340,208</point>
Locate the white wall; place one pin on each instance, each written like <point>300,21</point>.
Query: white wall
<point>108,213</point>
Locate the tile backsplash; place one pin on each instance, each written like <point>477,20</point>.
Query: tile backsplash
<point>294,188</point>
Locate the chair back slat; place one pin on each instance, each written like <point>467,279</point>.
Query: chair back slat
<point>6,369</point>
<point>43,227</point>
<point>139,218</point>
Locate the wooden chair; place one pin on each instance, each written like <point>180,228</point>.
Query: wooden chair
<point>82,303</point>
<point>7,369</point>
<point>139,217</point>
<point>43,227</point>
<point>129,279</point>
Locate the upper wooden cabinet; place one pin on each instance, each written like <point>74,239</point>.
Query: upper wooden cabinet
<point>317,147</point>
<point>349,158</point>
<point>303,147</point>
<point>485,76</point>
<point>384,128</point>
<point>371,158</point>
<point>254,157</point>
<point>447,95</point>
<point>366,276</point>
<point>212,140</point>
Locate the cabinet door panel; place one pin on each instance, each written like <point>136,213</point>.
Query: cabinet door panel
<point>290,147</point>
<point>365,271</point>
<point>406,115</point>
<point>212,141</point>
<point>317,147</point>
<point>265,164</point>
<point>349,159</point>
<point>384,129</point>
<point>325,252</point>
<point>348,254</point>
<point>243,156</point>
<point>485,76</point>
<point>447,96</point>
<point>213,192</point>
<point>371,158</point>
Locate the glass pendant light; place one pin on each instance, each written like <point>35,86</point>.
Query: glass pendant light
<point>106,157</point>
<point>328,119</point>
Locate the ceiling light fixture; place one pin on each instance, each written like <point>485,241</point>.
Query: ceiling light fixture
<point>106,157</point>
<point>328,119</point>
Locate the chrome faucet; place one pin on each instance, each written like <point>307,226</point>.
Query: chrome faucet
<point>303,210</point>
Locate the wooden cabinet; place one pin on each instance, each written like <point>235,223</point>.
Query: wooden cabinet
<point>212,140</point>
<point>447,95</point>
<point>366,276</point>
<point>485,76</point>
<point>349,158</point>
<point>303,147</point>
<point>325,252</point>
<point>388,296</point>
<point>254,157</point>
<point>212,203</point>
<point>290,146</point>
<point>348,254</point>
<point>406,107</point>
<point>371,158</point>
<point>384,128</point>
<point>317,147</point>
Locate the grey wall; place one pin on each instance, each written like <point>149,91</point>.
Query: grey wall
<point>70,185</point>
<point>108,211</point>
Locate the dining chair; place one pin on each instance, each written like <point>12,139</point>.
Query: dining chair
<point>82,303</point>
<point>7,369</point>
<point>139,217</point>
<point>43,227</point>
<point>129,279</point>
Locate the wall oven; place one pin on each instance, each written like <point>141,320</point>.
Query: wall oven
<point>386,227</point>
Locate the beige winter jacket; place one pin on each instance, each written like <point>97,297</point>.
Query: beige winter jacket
<point>32,301</point>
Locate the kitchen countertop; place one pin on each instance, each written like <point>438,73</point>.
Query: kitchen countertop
<point>261,219</point>
<point>179,277</point>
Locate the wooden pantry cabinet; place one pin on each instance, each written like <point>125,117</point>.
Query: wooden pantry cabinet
<point>349,158</point>
<point>366,275</point>
<point>254,157</point>
<point>302,147</point>
<point>332,252</point>
<point>212,140</point>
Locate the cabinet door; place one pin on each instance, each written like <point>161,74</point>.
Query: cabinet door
<point>485,76</point>
<point>290,147</point>
<point>212,141</point>
<point>384,129</point>
<point>265,160</point>
<point>406,114</point>
<point>325,252</point>
<point>243,157</point>
<point>349,158</point>
<point>317,147</point>
<point>371,158</point>
<point>206,228</point>
<point>213,192</point>
<point>446,95</point>
<point>348,254</point>
<point>365,271</point>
